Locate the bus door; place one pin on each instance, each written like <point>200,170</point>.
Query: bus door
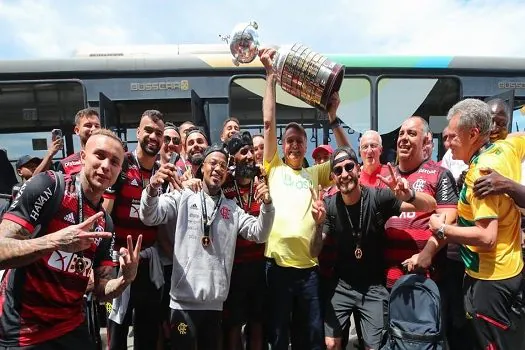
<point>198,113</point>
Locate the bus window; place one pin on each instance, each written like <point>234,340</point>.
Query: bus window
<point>399,98</point>
<point>246,95</point>
<point>30,110</point>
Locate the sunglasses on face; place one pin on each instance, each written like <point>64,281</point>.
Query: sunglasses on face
<point>338,170</point>
<point>245,151</point>
<point>175,140</point>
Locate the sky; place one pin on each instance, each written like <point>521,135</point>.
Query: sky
<point>55,28</point>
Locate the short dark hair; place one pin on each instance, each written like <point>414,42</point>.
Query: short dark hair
<point>343,149</point>
<point>153,114</point>
<point>229,119</point>
<point>500,103</point>
<point>296,126</point>
<point>86,112</point>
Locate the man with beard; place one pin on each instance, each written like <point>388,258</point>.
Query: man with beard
<point>54,234</point>
<point>122,200</point>
<point>183,161</point>
<point>196,144</point>
<point>408,233</point>
<point>206,226</point>
<point>171,143</point>
<point>488,231</point>
<point>292,273</point>
<point>355,218</point>
<point>247,288</point>
<point>86,121</point>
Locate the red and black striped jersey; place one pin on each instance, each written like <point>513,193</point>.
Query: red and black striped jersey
<point>71,164</point>
<point>44,300</point>
<point>408,233</point>
<point>126,193</point>
<point>245,251</point>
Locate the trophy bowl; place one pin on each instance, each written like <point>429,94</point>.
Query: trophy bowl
<point>307,75</point>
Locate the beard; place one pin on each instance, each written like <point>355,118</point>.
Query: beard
<point>148,150</point>
<point>245,170</point>
<point>196,159</point>
<point>348,187</point>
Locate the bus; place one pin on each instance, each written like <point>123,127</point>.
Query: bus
<point>200,83</point>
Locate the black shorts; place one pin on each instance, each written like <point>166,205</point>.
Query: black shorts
<point>496,312</point>
<point>78,339</point>
<point>372,305</point>
<point>196,329</point>
<point>245,302</point>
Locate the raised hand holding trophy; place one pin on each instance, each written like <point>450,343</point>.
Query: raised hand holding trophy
<point>305,74</point>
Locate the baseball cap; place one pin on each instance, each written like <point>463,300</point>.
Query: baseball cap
<point>25,159</point>
<point>327,148</point>
<point>238,141</point>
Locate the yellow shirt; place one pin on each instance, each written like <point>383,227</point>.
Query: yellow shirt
<point>505,260</point>
<point>293,226</point>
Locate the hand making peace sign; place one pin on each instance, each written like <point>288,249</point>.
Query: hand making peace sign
<point>318,208</point>
<point>397,184</point>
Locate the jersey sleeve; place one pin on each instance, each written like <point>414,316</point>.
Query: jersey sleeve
<point>388,203</point>
<point>518,143</point>
<point>329,222</point>
<point>485,208</point>
<point>60,167</point>
<point>103,254</point>
<point>34,197</point>
<point>274,162</point>
<point>446,190</point>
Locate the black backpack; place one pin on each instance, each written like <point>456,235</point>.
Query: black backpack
<point>414,315</point>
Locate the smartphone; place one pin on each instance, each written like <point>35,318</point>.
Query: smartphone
<point>174,157</point>
<point>56,134</point>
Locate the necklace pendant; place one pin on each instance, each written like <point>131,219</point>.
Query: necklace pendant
<point>80,265</point>
<point>205,241</point>
<point>358,253</point>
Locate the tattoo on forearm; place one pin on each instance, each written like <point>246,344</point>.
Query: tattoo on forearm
<point>17,248</point>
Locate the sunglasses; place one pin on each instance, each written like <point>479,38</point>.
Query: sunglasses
<point>244,151</point>
<point>175,140</point>
<point>338,170</point>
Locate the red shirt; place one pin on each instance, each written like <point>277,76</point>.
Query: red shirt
<point>245,251</point>
<point>71,164</point>
<point>126,193</point>
<point>408,233</point>
<point>45,299</point>
<point>371,180</point>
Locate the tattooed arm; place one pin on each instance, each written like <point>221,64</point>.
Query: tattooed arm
<point>107,287</point>
<point>16,247</point>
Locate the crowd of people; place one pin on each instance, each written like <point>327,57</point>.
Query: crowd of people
<point>234,246</point>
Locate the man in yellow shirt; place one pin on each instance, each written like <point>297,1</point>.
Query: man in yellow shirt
<point>291,271</point>
<point>488,230</point>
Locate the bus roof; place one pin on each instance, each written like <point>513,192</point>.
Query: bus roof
<point>185,62</point>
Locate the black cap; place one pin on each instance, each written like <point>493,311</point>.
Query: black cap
<point>238,141</point>
<point>25,159</point>
<point>218,147</point>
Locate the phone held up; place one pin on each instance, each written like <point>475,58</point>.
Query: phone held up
<point>56,134</point>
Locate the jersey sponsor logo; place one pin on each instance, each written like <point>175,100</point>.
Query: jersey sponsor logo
<point>444,191</point>
<point>134,209</point>
<point>419,185</point>
<point>64,261</point>
<point>427,171</point>
<point>70,218</point>
<point>39,203</point>
<point>20,192</point>
<point>134,182</point>
<point>73,163</point>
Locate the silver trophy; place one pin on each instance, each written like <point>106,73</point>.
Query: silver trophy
<point>305,74</point>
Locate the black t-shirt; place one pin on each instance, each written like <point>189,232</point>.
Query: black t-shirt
<point>378,205</point>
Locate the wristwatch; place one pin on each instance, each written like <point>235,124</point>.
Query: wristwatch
<point>440,233</point>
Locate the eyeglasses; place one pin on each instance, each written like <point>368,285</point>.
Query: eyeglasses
<point>372,146</point>
<point>175,140</point>
<point>244,151</point>
<point>214,163</point>
<point>338,170</point>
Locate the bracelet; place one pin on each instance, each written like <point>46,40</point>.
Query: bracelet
<point>412,196</point>
<point>336,123</point>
